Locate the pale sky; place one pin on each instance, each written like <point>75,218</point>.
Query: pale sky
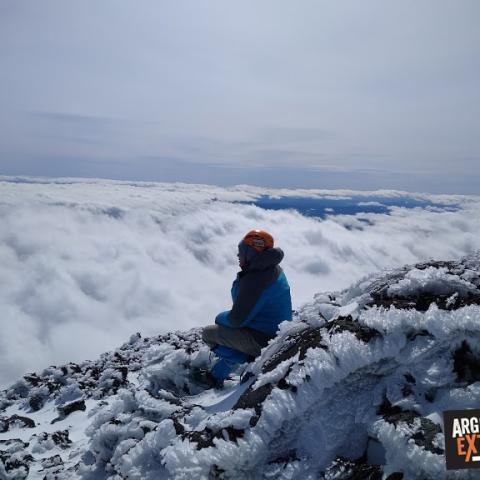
<point>325,94</point>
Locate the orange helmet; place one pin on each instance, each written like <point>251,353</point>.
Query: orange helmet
<point>258,239</point>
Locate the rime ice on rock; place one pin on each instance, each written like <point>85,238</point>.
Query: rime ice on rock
<point>354,387</point>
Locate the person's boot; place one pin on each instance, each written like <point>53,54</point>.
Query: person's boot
<point>204,377</point>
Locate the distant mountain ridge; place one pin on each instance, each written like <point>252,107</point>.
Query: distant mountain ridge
<point>353,388</point>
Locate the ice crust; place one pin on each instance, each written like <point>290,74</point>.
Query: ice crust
<point>355,385</point>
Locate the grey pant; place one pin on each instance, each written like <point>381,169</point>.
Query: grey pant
<point>244,340</point>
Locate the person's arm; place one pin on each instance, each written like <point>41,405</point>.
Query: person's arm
<point>241,317</point>
<point>222,317</point>
<point>248,302</point>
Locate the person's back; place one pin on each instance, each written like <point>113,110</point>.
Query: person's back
<point>260,294</point>
<point>261,301</point>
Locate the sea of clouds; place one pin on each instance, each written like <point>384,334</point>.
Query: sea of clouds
<point>86,263</point>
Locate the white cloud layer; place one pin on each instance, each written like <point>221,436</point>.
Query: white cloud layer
<point>84,264</point>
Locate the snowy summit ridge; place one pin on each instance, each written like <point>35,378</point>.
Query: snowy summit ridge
<point>354,387</point>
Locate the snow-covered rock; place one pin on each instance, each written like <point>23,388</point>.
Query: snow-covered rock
<point>353,388</point>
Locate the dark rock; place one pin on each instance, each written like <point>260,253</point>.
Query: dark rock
<point>254,398</point>
<point>179,428</point>
<point>352,470</point>
<point>165,395</point>
<point>6,422</point>
<point>205,438</point>
<point>14,441</point>
<point>395,476</point>
<point>298,342</point>
<point>93,372</point>
<point>287,457</point>
<point>21,462</point>
<point>53,386</point>
<point>407,390</point>
<point>426,433</point>
<point>254,420</point>
<point>112,379</point>
<point>36,402</point>
<point>146,429</point>
<point>430,395</point>
<point>216,472</point>
<point>61,438</point>
<point>454,267</point>
<point>119,358</point>
<point>422,300</point>
<point>74,368</point>
<point>33,379</point>
<point>54,461</point>
<point>175,418</point>
<point>342,324</point>
<point>425,436</point>
<point>68,408</point>
<point>394,414</point>
<point>465,364</point>
<point>246,377</point>
<point>230,434</point>
<point>18,390</point>
<point>284,385</point>
<point>124,372</point>
<point>413,334</point>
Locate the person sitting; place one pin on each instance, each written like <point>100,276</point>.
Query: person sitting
<point>261,301</point>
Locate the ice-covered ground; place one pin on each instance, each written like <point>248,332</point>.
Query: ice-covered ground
<point>354,387</point>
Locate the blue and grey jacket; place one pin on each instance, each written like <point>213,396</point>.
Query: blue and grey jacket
<point>260,295</point>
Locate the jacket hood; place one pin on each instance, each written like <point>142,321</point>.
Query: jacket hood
<point>267,258</point>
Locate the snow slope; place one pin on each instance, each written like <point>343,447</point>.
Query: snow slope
<point>353,388</point>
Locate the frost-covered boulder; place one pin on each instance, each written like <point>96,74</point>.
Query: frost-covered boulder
<point>353,388</point>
